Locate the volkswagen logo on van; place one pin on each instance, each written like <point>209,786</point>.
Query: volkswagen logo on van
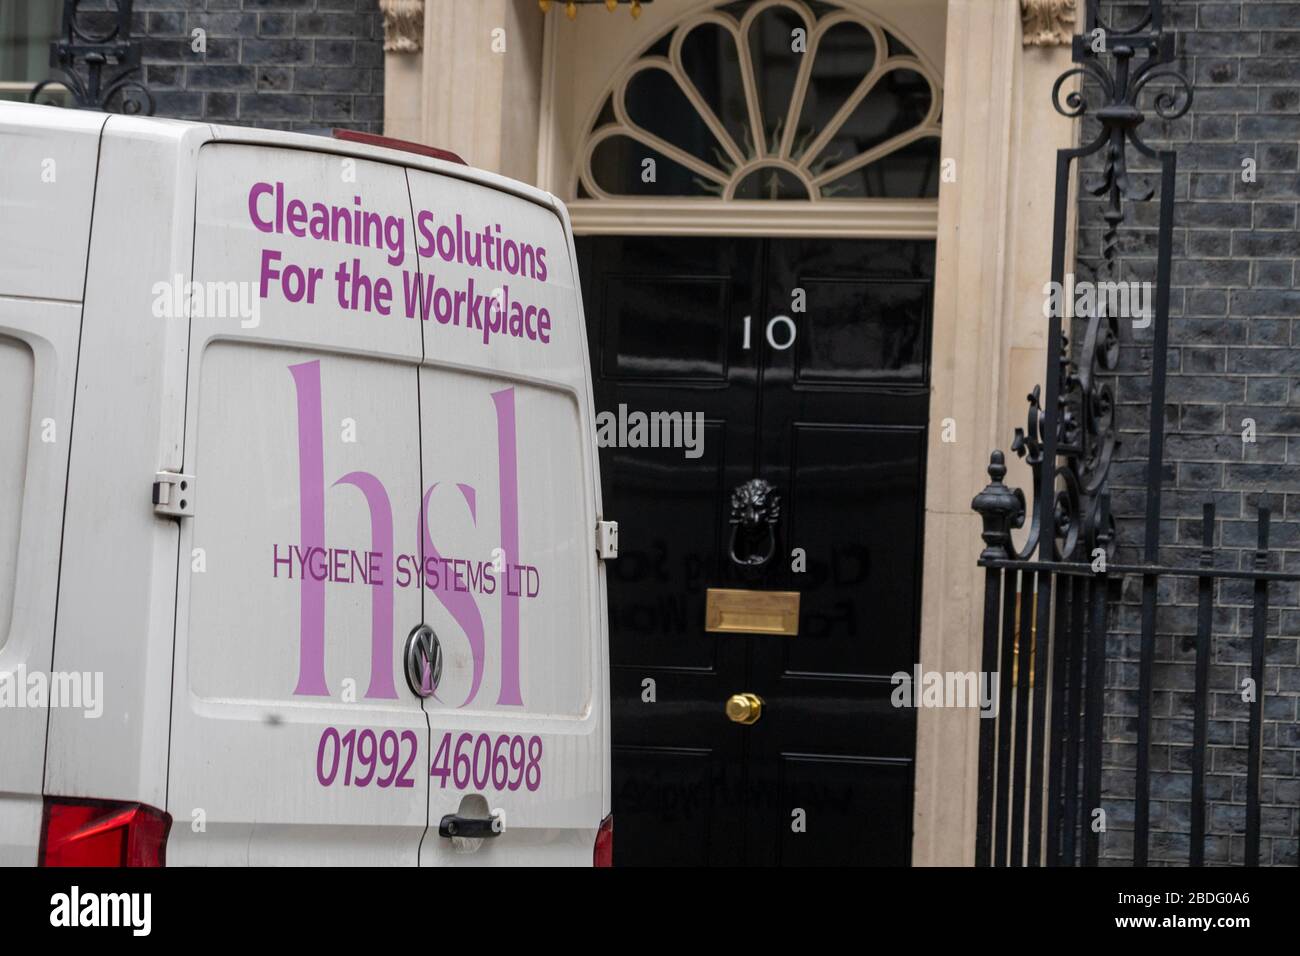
<point>423,658</point>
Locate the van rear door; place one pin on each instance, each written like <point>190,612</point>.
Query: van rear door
<point>294,736</point>
<point>519,732</point>
<point>46,191</point>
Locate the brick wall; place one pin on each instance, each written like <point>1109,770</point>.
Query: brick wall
<point>1234,355</point>
<point>284,64</point>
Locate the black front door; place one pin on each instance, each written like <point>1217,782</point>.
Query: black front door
<point>809,361</point>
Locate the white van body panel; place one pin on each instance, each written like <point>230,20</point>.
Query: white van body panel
<point>558,656</point>
<point>238,676</point>
<point>118,574</point>
<point>45,208</point>
<point>211,706</point>
<point>38,354</point>
<point>46,193</point>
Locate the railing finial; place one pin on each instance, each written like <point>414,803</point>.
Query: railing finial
<point>1001,508</point>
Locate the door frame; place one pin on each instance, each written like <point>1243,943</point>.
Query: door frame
<point>875,219</point>
<point>992,252</point>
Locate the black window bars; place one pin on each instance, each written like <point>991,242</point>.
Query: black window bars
<point>1062,596</point>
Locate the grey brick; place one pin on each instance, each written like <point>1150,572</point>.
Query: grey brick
<point>1204,244</point>
<point>1229,99</point>
<point>1206,388</point>
<point>1269,127</point>
<point>275,79</point>
<point>221,105</point>
<point>1222,43</point>
<point>1265,243</point>
<point>1270,70</point>
<point>290,5</point>
<point>158,76</point>
<point>335,52</point>
<point>223,24</point>
<point>273,106</point>
<point>1215,71</point>
<point>177,103</point>
<point>1218,272</point>
<point>165,24</point>
<point>275,25</point>
<point>332,80</point>
<point>370,108</point>
<point>1259,13</point>
<point>331,106</point>
<point>279,52</point>
<point>1260,302</point>
<point>1269,185</point>
<point>1274,215</point>
<point>1284,43</point>
<point>1216,126</point>
<point>219,77</point>
<point>1270,331</point>
<point>370,55</point>
<point>331,25</point>
<point>1279,100</point>
<point>1218,15</point>
<point>1222,215</point>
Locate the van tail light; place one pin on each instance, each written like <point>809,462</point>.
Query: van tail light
<point>405,145</point>
<point>102,833</point>
<point>603,855</point>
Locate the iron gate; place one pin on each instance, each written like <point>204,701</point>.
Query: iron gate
<point>1053,604</point>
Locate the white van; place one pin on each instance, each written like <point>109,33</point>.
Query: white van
<point>300,529</point>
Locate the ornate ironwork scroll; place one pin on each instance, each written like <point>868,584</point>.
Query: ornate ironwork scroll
<point>1069,443</point>
<point>1070,437</point>
<point>97,60</point>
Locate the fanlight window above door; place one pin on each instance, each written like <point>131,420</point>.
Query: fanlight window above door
<point>769,99</point>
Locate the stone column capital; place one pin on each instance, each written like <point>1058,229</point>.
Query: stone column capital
<point>1047,22</point>
<point>403,25</point>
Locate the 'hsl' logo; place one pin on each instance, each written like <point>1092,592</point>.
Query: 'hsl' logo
<point>460,604</point>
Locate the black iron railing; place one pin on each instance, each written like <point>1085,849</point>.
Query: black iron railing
<point>1041,760</point>
<point>96,59</point>
<point>1049,604</point>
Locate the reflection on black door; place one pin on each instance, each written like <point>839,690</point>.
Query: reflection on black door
<point>836,421</point>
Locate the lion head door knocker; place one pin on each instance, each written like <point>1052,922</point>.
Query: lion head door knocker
<point>755,511</point>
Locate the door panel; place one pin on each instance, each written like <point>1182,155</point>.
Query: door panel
<point>665,330</point>
<point>860,331</point>
<point>829,404</point>
<point>43,248</point>
<point>844,415</point>
<point>676,758</point>
<point>835,792</point>
<point>507,524</point>
<point>261,734</point>
<point>853,490</point>
<point>294,738</point>
<point>665,315</point>
<point>501,489</point>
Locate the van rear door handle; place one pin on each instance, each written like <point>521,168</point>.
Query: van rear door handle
<point>475,828</point>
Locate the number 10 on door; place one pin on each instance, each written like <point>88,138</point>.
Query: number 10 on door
<point>782,322</point>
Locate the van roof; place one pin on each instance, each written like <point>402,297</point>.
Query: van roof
<point>187,134</point>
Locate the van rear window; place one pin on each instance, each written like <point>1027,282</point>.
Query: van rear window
<point>17,367</point>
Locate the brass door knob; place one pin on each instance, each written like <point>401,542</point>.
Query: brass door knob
<point>744,708</point>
